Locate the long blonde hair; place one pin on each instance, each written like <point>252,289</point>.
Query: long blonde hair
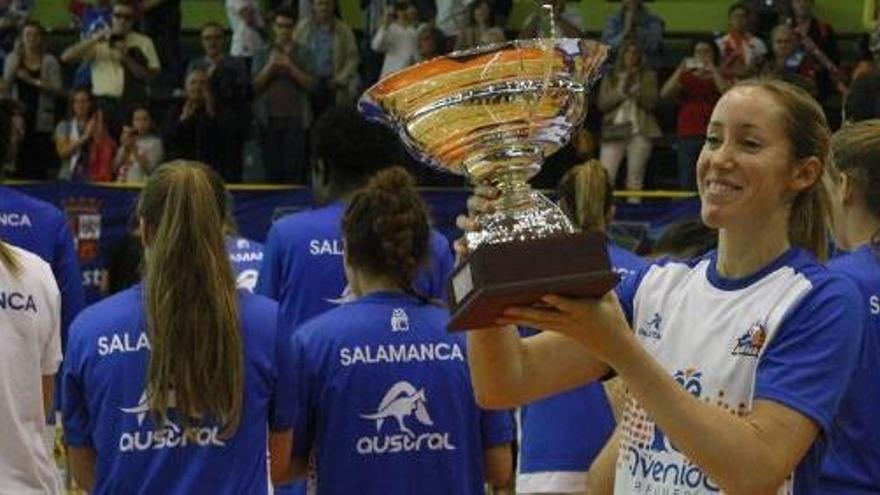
<point>807,130</point>
<point>197,358</point>
<point>586,195</point>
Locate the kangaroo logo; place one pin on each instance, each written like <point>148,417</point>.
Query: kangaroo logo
<point>651,329</point>
<point>143,407</point>
<point>401,400</point>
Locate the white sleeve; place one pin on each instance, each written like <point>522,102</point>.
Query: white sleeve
<point>50,355</point>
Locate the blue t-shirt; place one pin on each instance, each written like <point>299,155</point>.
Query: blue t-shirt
<point>302,265</point>
<point>562,434</point>
<point>852,463</point>
<point>789,333</point>
<point>42,229</point>
<point>383,399</point>
<point>105,409</point>
<point>246,257</point>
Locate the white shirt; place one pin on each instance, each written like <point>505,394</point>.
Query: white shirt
<point>246,40</point>
<point>400,45</point>
<point>451,15</point>
<point>30,347</point>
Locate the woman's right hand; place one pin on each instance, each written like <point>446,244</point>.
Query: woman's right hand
<point>481,202</point>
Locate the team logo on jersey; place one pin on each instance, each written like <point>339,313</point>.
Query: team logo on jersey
<point>84,218</point>
<point>247,280</point>
<point>169,436</point>
<point>751,342</point>
<point>399,320</point>
<point>651,329</point>
<point>402,401</point>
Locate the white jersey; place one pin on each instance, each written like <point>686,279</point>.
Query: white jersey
<point>30,347</point>
<point>782,335</point>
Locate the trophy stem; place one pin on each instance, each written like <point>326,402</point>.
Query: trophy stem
<point>515,191</point>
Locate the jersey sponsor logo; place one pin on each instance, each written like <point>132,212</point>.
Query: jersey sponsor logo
<point>874,302</point>
<point>623,272</point>
<point>84,218</point>
<point>13,219</point>
<point>399,320</point>
<point>402,401</point>
<point>401,353</point>
<point>246,257</point>
<point>651,328</point>
<point>242,244</point>
<point>752,341</point>
<point>169,436</point>
<point>662,469</point>
<point>323,247</point>
<point>122,343</point>
<point>16,301</point>
<point>247,280</point>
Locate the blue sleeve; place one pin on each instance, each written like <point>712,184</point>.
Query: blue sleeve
<point>66,270</point>
<point>809,363</point>
<point>284,404</point>
<point>652,37</point>
<point>496,428</point>
<point>75,412</point>
<point>626,291</point>
<point>303,397</point>
<point>613,34</point>
<point>270,269</point>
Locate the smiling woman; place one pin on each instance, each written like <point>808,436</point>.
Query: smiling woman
<point>736,362</point>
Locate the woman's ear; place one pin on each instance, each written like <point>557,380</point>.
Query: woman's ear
<point>806,174</point>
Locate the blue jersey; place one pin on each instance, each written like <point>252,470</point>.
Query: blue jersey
<point>852,464</point>
<point>105,408</point>
<point>246,257</point>
<point>302,266</point>
<point>561,435</point>
<point>383,401</point>
<point>790,333</point>
<point>42,229</point>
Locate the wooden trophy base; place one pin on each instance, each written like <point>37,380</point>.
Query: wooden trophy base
<point>497,276</point>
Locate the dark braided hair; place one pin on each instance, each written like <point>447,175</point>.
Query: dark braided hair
<point>386,229</point>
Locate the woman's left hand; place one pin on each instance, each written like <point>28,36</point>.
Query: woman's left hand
<point>598,324</point>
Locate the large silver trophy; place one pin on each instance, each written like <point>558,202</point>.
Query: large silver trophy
<point>493,114</point>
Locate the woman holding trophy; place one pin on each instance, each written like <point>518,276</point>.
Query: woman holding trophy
<point>735,362</point>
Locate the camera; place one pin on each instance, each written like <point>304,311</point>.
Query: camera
<point>692,63</point>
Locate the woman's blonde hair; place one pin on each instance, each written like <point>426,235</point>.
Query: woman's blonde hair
<point>586,195</point>
<point>197,359</point>
<point>8,259</point>
<point>807,130</point>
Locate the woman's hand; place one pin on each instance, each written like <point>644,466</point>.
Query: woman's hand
<point>482,202</point>
<point>597,324</point>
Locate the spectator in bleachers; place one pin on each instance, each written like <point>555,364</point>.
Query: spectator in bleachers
<point>871,59</point>
<point>334,54</point>
<point>450,17</point>
<point>397,38</point>
<point>431,41</point>
<point>636,21</point>
<point>191,130</point>
<point>788,61</point>
<point>481,18</point>
<point>766,14</point>
<point>73,136</point>
<point>140,150</point>
<point>281,83</point>
<point>627,98</point>
<point>246,22</point>
<point>12,18</point>
<point>741,51</point>
<point>819,42</point>
<point>33,78</point>
<point>863,100</point>
<point>697,84</point>
<point>229,83</point>
<point>123,62</point>
<point>567,16</point>
<point>162,24</point>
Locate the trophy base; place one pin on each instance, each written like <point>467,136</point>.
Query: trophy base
<point>497,276</point>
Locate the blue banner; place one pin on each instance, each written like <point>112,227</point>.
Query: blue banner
<point>100,216</point>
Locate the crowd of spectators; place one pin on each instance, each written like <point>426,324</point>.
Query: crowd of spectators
<point>249,98</point>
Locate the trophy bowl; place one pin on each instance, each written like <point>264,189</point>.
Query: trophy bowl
<point>492,114</point>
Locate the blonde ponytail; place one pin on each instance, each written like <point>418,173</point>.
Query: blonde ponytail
<point>197,359</point>
<point>586,195</point>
